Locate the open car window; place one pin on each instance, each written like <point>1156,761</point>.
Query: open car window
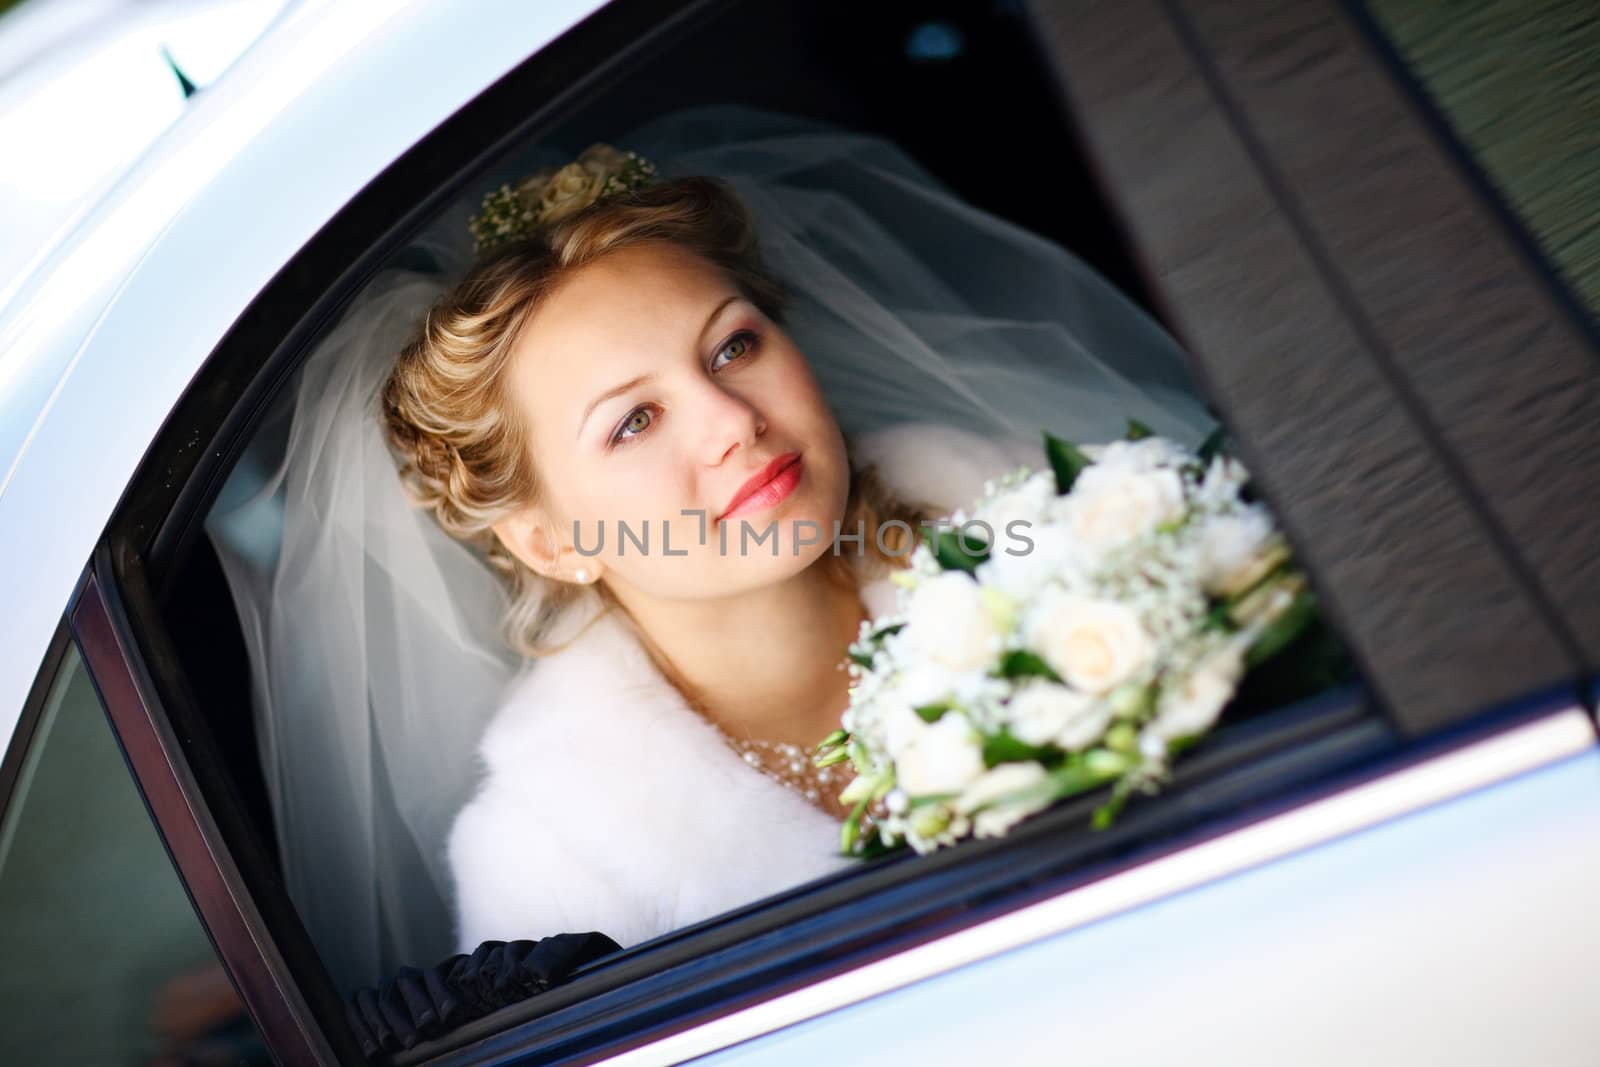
<point>1441,629</point>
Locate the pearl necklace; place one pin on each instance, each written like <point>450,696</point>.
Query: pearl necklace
<point>791,766</point>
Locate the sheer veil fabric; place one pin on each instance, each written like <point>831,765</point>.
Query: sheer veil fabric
<point>373,638</point>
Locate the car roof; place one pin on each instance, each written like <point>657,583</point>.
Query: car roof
<point>100,341</point>
<point>86,88</point>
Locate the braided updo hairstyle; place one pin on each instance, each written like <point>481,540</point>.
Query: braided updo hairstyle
<point>452,423</point>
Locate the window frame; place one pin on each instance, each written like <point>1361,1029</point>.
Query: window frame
<point>1211,92</point>
<point>759,951</point>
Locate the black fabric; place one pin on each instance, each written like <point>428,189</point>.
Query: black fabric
<point>416,1005</point>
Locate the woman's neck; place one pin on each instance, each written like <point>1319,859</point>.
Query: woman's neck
<point>764,665</point>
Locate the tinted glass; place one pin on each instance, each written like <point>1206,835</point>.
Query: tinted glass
<point>105,961</point>
<point>1519,84</point>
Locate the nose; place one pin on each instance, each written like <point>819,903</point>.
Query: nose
<point>729,422</point>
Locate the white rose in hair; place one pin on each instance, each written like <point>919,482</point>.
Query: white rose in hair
<point>569,191</point>
<point>602,161</point>
<point>1111,505</point>
<point>1229,548</point>
<point>1044,712</point>
<point>1192,706</point>
<point>946,623</point>
<point>1094,645</point>
<point>942,758</point>
<point>993,795</point>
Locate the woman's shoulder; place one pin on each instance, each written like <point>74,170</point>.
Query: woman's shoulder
<point>550,707</point>
<point>941,465</point>
<point>565,768</point>
<point>606,800</point>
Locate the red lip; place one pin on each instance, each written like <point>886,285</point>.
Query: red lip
<point>759,481</point>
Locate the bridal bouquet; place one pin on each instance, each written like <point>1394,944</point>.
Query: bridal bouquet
<point>1078,628</point>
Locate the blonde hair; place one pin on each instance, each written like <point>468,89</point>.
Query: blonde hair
<point>452,423</point>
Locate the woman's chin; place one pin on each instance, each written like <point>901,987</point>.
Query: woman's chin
<point>774,552</point>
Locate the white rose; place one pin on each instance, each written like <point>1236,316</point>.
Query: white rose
<point>569,191</point>
<point>1003,796</point>
<point>1046,713</point>
<point>1110,506</point>
<point>1094,645</point>
<point>1022,503</point>
<point>602,161</point>
<point>900,727</point>
<point>1049,551</point>
<point>1192,706</point>
<point>946,623</point>
<point>942,758</point>
<point>1229,548</point>
<point>925,682</point>
<point>1146,454</point>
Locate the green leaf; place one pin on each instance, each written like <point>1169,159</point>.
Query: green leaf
<point>1284,629</point>
<point>1066,461</point>
<point>1107,813</point>
<point>862,659</point>
<point>1020,663</point>
<point>1080,775</point>
<point>957,553</point>
<point>1218,619</point>
<point>1138,431</point>
<point>850,831</point>
<point>933,712</point>
<point>1214,443</point>
<point>836,739</point>
<point>831,757</point>
<point>1004,748</point>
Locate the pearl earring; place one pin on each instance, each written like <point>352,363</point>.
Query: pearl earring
<point>582,575</point>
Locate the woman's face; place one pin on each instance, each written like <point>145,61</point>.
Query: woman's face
<point>655,397</point>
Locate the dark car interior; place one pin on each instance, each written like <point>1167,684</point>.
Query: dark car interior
<point>968,90</point>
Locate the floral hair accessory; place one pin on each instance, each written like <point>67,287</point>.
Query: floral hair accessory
<point>552,194</point>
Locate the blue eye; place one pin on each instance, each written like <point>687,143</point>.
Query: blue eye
<point>637,422</point>
<point>739,345</point>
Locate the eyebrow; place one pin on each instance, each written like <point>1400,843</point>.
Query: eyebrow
<point>617,391</point>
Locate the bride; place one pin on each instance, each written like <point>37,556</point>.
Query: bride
<point>678,429</point>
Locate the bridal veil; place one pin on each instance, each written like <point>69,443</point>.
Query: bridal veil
<point>373,637</point>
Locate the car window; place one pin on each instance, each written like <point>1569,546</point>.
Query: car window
<point>105,959</point>
<point>1518,84</point>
